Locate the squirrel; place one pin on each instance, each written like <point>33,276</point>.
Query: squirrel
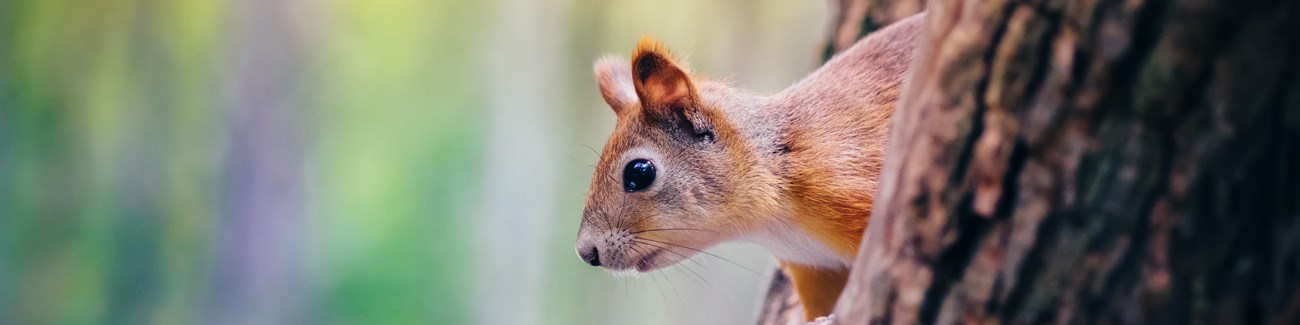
<point>694,162</point>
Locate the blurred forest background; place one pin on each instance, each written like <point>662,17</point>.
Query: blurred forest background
<point>343,161</point>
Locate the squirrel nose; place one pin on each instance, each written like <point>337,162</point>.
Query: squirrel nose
<point>590,255</point>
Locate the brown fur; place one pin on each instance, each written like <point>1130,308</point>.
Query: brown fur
<point>784,170</point>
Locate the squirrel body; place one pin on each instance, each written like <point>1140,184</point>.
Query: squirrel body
<point>695,162</point>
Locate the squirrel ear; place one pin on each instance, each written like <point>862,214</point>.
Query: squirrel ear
<point>615,81</point>
<point>663,87</point>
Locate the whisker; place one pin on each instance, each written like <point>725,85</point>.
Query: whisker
<point>593,150</point>
<point>661,289</point>
<point>638,252</point>
<point>670,250</point>
<point>706,282</point>
<point>674,287</point>
<point>622,202</point>
<point>605,215</point>
<point>706,253</point>
<point>609,291</point>
<point>639,221</point>
<point>668,229</point>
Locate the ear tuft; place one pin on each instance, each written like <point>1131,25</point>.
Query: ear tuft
<point>651,56</point>
<point>614,78</point>
<point>662,85</point>
<point>666,90</point>
<point>649,45</point>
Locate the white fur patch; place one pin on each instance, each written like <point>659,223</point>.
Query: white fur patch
<point>790,243</point>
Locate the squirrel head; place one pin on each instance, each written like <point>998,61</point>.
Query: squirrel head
<point>670,171</point>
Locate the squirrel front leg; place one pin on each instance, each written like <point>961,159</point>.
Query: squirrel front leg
<point>818,287</point>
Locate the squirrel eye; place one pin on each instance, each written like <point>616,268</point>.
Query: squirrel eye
<point>638,175</point>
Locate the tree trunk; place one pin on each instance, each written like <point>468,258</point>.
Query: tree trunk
<point>1086,162</point>
<point>1091,161</point>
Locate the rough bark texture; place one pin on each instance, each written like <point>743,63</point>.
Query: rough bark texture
<point>780,305</point>
<point>1091,161</point>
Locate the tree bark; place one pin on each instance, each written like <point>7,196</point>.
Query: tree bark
<point>781,305</point>
<point>1091,161</point>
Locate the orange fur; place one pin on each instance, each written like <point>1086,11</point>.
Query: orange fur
<point>818,288</point>
<point>795,171</point>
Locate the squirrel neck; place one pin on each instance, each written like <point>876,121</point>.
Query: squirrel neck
<point>819,146</point>
<point>765,125</point>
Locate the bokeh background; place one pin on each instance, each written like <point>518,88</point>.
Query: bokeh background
<point>344,161</point>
